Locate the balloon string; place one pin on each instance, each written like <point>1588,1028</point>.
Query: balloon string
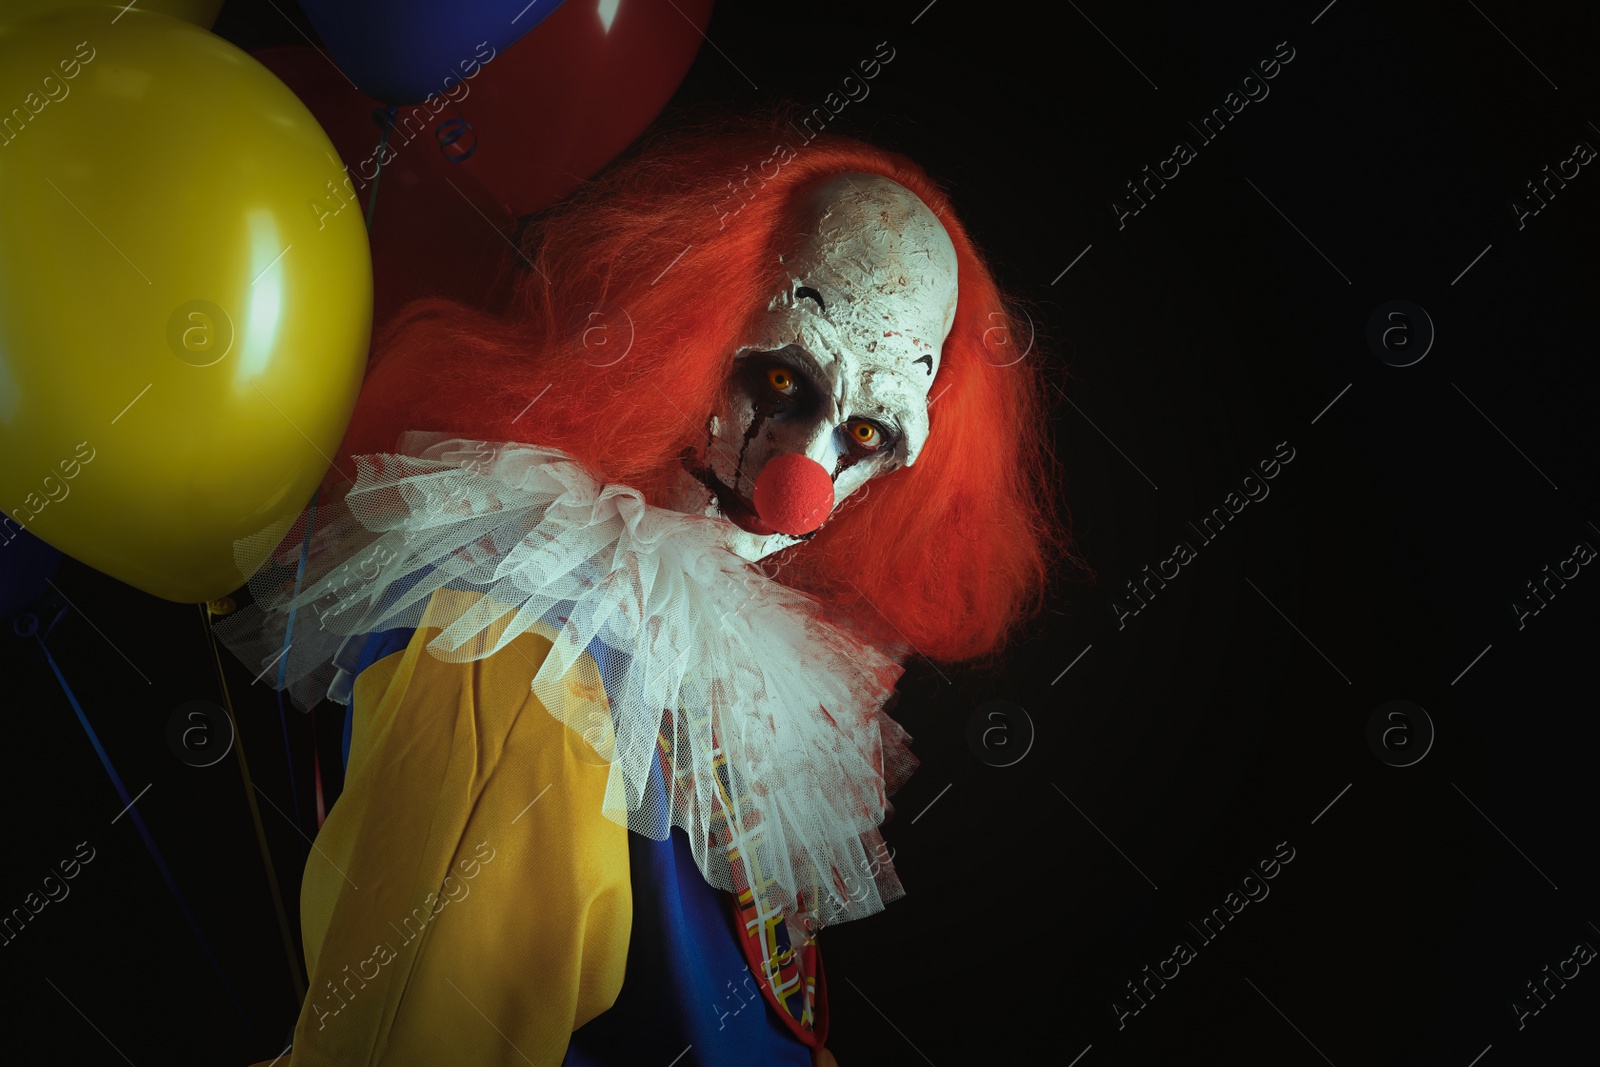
<point>283,667</point>
<point>385,120</point>
<point>149,841</point>
<point>255,818</point>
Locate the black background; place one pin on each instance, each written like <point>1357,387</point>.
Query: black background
<point>1182,746</point>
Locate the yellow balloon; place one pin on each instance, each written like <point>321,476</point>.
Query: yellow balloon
<point>199,12</point>
<point>185,299</point>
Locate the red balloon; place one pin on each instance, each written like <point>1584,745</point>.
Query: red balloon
<point>435,231</point>
<point>563,101</point>
<point>513,137</point>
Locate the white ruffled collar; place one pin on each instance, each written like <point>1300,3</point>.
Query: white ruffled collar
<point>706,662</point>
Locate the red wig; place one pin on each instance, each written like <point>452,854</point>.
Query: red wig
<point>671,257</point>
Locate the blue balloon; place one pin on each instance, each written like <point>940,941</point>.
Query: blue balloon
<point>26,566</point>
<point>403,51</point>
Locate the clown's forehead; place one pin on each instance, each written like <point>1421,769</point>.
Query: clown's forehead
<point>888,266</point>
<point>870,296</point>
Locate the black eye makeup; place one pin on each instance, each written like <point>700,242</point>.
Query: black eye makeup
<point>783,386</point>
<point>777,384</point>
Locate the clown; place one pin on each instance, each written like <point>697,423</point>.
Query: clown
<point>838,370</point>
<point>617,633</point>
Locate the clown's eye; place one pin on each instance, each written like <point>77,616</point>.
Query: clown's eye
<point>865,435</point>
<point>775,385</point>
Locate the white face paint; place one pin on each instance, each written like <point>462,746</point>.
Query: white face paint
<point>839,368</point>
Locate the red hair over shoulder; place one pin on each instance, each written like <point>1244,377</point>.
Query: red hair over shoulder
<point>669,257</point>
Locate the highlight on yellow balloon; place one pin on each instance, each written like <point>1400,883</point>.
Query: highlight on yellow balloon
<point>185,299</point>
<point>200,12</point>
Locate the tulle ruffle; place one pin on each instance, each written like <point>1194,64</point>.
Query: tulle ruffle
<point>765,714</point>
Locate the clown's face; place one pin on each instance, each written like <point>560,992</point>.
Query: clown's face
<point>838,369</point>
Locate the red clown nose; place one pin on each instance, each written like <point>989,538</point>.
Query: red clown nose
<point>793,494</point>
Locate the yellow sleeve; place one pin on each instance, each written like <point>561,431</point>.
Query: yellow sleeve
<point>465,901</point>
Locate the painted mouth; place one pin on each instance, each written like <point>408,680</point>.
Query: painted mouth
<point>734,507</point>
<point>739,511</point>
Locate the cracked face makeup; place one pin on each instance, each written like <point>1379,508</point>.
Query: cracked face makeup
<point>839,367</point>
